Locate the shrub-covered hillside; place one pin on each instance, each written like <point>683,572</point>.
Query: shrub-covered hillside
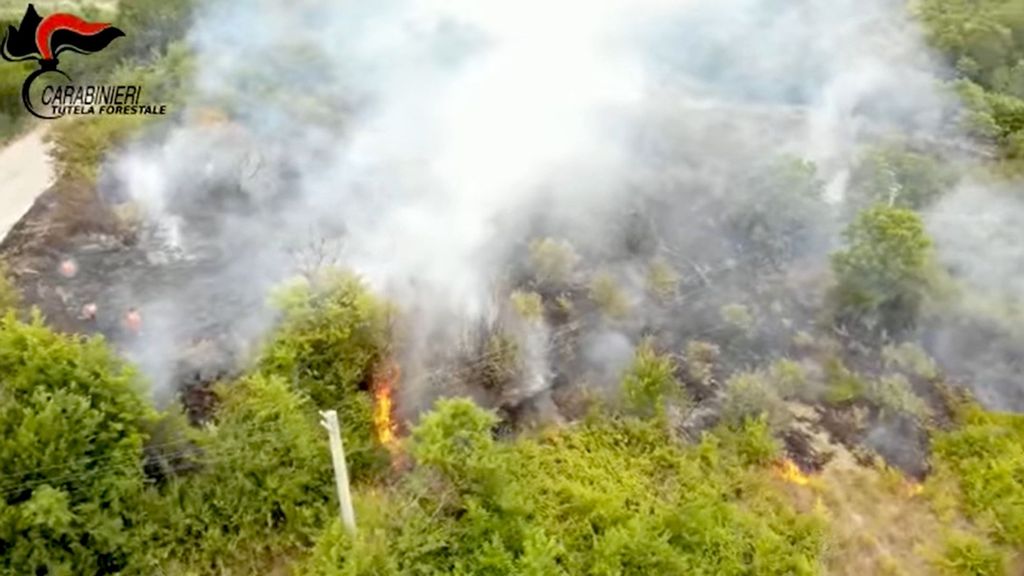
<point>742,328</point>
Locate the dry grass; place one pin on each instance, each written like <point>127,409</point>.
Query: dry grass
<point>881,522</point>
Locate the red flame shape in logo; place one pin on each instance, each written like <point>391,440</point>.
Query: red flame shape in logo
<point>55,22</point>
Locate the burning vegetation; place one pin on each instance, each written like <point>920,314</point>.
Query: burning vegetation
<point>385,381</point>
<point>616,306</point>
<point>790,472</point>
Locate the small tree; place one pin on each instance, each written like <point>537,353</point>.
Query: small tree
<point>882,275</point>
<point>750,395</point>
<point>528,305</point>
<point>700,361</point>
<point>650,381</point>
<point>553,261</point>
<point>899,178</point>
<point>332,335</point>
<point>662,280</point>
<point>606,293</point>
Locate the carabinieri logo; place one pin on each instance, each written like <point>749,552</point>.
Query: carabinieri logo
<point>43,39</point>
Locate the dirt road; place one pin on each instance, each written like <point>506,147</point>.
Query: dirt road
<point>25,172</point>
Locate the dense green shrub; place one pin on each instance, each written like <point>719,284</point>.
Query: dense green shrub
<point>841,384</point>
<point>986,458</point>
<point>73,422</point>
<point>899,178</point>
<point>882,276</point>
<point>750,395</point>
<point>333,333</point>
<point>912,359</point>
<point>984,39</point>
<point>528,305</point>
<point>893,395</point>
<point>966,555</point>
<point>265,485</point>
<point>606,497</point>
<point>790,380</point>
<point>650,381</point>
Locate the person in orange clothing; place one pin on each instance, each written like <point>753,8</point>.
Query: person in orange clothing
<point>133,321</point>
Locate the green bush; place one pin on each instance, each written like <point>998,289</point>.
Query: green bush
<point>455,439</point>
<point>912,359</point>
<point>842,385</point>
<point>750,395</point>
<point>332,335</point>
<point>983,38</point>
<point>650,381</point>
<point>528,305</point>
<point>700,361</point>
<point>790,380</point>
<point>739,317</point>
<point>662,280</point>
<point>553,261</point>
<point>894,396</point>
<point>985,456</point>
<point>605,497</point>
<point>606,293</point>
<point>752,441</point>
<point>882,276</point>
<point>899,178</point>
<point>965,555</point>
<point>264,488</point>
<point>73,421</point>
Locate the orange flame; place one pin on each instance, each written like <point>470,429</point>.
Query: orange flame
<point>913,488</point>
<point>384,382</point>
<point>790,472</point>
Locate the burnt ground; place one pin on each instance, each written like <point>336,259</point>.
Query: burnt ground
<point>118,268</point>
<point>191,343</point>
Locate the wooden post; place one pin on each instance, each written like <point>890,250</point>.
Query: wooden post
<point>330,422</point>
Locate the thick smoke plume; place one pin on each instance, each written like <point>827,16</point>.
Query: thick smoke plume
<point>424,144</point>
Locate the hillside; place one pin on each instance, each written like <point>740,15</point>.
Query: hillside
<point>619,288</point>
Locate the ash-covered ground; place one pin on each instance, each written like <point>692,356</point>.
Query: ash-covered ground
<point>185,297</point>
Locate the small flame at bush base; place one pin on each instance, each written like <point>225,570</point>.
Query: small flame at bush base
<point>790,472</point>
<point>384,382</point>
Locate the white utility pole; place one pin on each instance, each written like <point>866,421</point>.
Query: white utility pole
<point>330,422</point>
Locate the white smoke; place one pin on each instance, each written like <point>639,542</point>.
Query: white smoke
<point>434,137</point>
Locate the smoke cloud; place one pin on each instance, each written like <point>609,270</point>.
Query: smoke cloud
<point>428,142</point>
